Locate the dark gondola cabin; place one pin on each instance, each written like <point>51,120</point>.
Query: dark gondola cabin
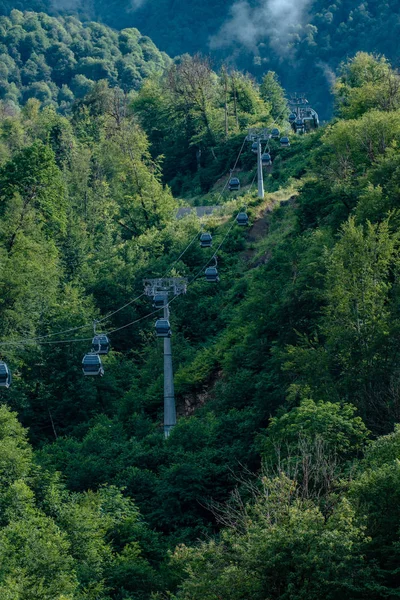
<point>92,366</point>
<point>242,219</point>
<point>234,184</point>
<point>163,328</point>
<point>159,300</point>
<point>275,134</point>
<point>292,117</point>
<point>100,344</point>
<point>254,147</point>
<point>266,159</point>
<point>5,375</point>
<point>285,143</point>
<point>206,240</point>
<point>211,274</point>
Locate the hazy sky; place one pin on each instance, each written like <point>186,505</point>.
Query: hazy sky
<point>268,20</point>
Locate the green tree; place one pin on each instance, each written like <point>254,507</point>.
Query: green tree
<point>273,94</point>
<point>278,548</point>
<point>366,82</point>
<point>358,316</point>
<point>317,441</point>
<point>34,178</point>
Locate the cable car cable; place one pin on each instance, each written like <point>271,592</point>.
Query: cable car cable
<point>53,342</point>
<point>219,197</point>
<point>182,253</point>
<point>213,257</point>
<point>121,308</point>
<point>70,330</point>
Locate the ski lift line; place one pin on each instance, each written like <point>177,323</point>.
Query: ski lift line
<point>109,333</point>
<point>214,255</point>
<point>279,116</point>
<point>118,309</point>
<point>141,318</point>
<point>195,237</point>
<point>137,320</point>
<point>252,183</point>
<point>219,197</point>
<point>267,149</point>
<point>240,153</point>
<point>43,337</point>
<point>54,342</point>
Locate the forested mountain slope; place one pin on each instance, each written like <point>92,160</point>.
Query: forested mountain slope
<point>304,43</point>
<point>281,479</point>
<point>57,60</point>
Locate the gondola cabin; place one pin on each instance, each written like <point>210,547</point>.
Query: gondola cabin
<point>234,184</point>
<point>5,375</point>
<point>100,344</point>
<point>92,365</point>
<point>211,274</point>
<point>254,147</point>
<point>242,219</point>
<point>266,159</point>
<point>163,328</point>
<point>292,117</point>
<point>159,300</point>
<point>275,134</point>
<point>285,143</point>
<point>206,240</point>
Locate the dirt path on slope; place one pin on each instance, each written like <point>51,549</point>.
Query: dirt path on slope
<point>260,229</point>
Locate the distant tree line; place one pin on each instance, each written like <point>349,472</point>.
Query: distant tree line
<point>312,50</point>
<point>57,60</point>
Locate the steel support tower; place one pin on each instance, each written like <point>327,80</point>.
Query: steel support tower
<point>172,286</point>
<point>259,136</point>
<point>260,174</point>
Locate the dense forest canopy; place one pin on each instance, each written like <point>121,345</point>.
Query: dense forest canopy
<point>303,42</point>
<point>58,60</point>
<point>281,479</point>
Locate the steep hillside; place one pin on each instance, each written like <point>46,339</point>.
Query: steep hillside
<point>57,60</point>
<point>281,478</point>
